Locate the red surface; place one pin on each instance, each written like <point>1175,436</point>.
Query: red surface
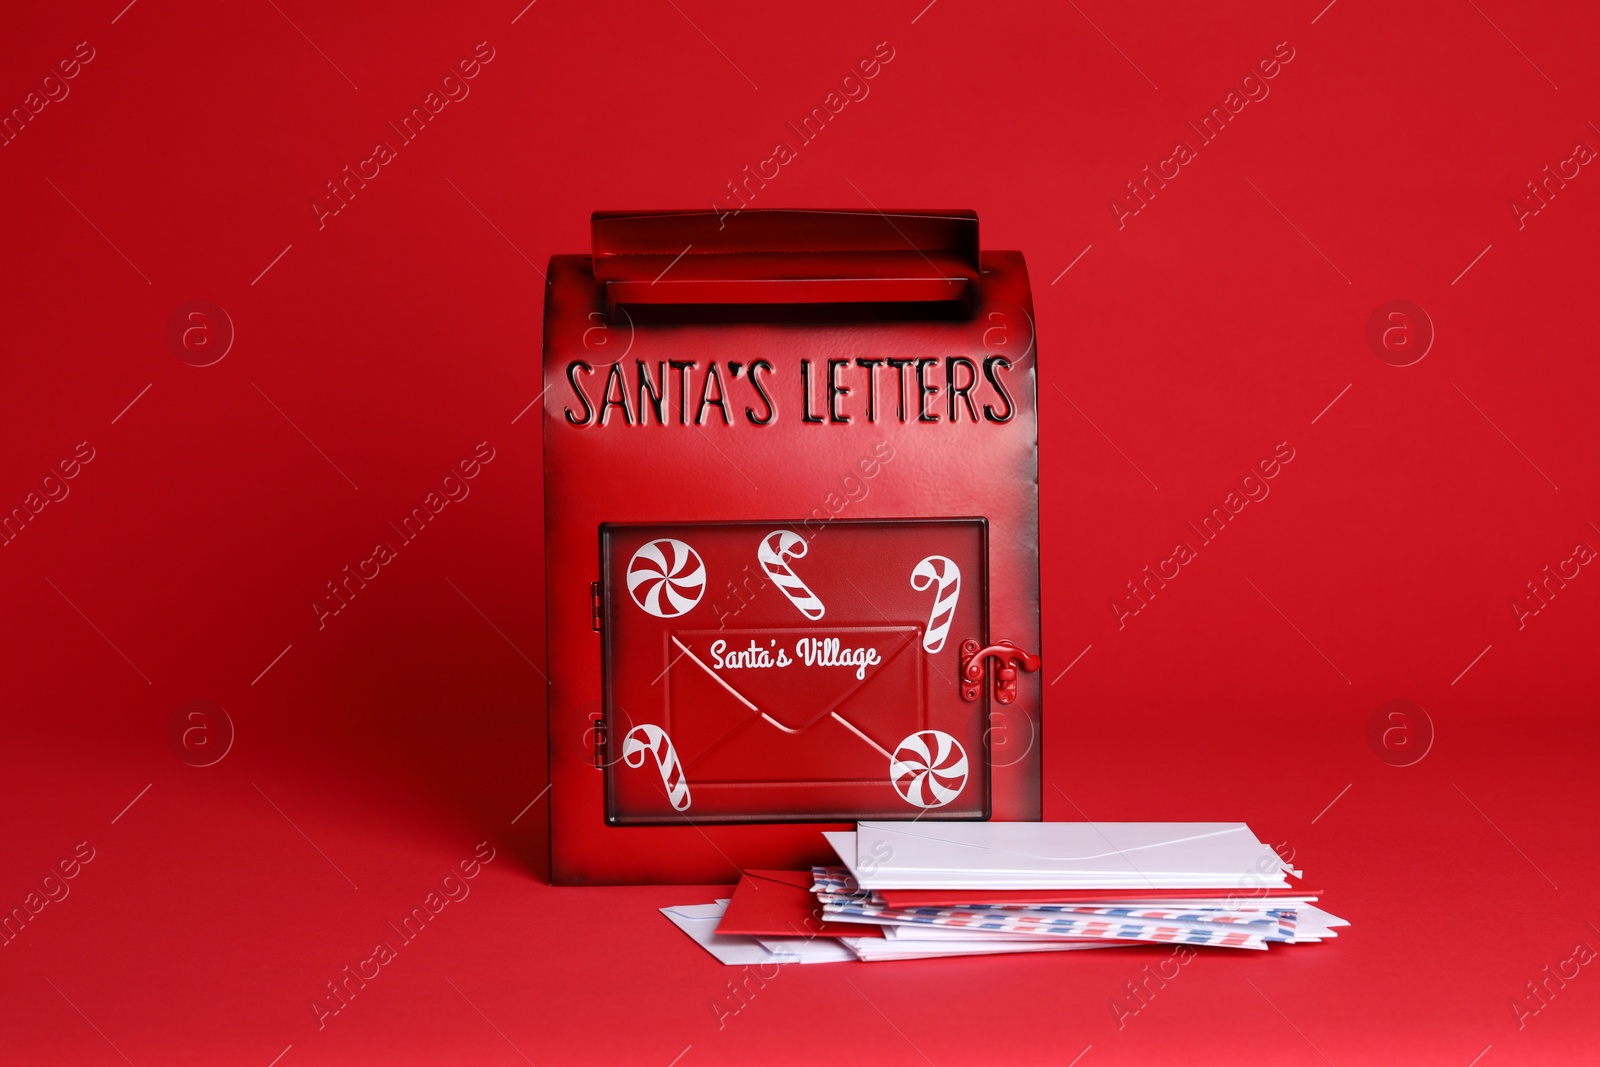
<point>1196,338</point>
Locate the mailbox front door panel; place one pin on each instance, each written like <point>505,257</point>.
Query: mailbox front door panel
<point>753,673</point>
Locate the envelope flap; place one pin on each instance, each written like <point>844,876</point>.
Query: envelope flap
<point>781,904</point>
<point>790,879</point>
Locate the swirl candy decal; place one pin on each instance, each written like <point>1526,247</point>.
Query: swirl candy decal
<point>666,578</point>
<point>777,548</point>
<point>654,740</point>
<point>929,769</point>
<point>943,572</point>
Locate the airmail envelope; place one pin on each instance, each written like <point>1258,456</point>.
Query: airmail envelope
<point>780,903</point>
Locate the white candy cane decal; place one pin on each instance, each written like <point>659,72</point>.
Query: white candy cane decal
<point>777,549</point>
<point>654,740</point>
<point>943,572</point>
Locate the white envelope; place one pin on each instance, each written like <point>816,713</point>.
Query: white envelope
<point>699,921</point>
<point>1026,855</point>
<point>1314,924</point>
<point>809,949</point>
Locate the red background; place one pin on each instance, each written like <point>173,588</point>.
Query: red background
<point>1222,319</point>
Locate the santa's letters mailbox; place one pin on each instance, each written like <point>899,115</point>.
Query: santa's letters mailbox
<point>791,537</point>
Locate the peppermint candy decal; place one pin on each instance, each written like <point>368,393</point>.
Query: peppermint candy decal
<point>929,769</point>
<point>943,572</point>
<point>647,738</point>
<point>666,578</point>
<point>777,549</point>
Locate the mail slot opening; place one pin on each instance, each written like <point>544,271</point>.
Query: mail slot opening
<point>954,310</point>
<point>659,265</point>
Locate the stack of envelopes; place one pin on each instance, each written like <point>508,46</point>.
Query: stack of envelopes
<point>909,890</point>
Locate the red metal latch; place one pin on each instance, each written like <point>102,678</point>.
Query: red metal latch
<point>1010,658</point>
<point>596,605</point>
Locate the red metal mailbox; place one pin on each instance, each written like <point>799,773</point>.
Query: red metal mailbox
<point>791,517</point>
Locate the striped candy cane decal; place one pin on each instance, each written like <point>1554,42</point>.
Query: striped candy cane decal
<point>777,549</point>
<point>943,572</point>
<point>654,740</point>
